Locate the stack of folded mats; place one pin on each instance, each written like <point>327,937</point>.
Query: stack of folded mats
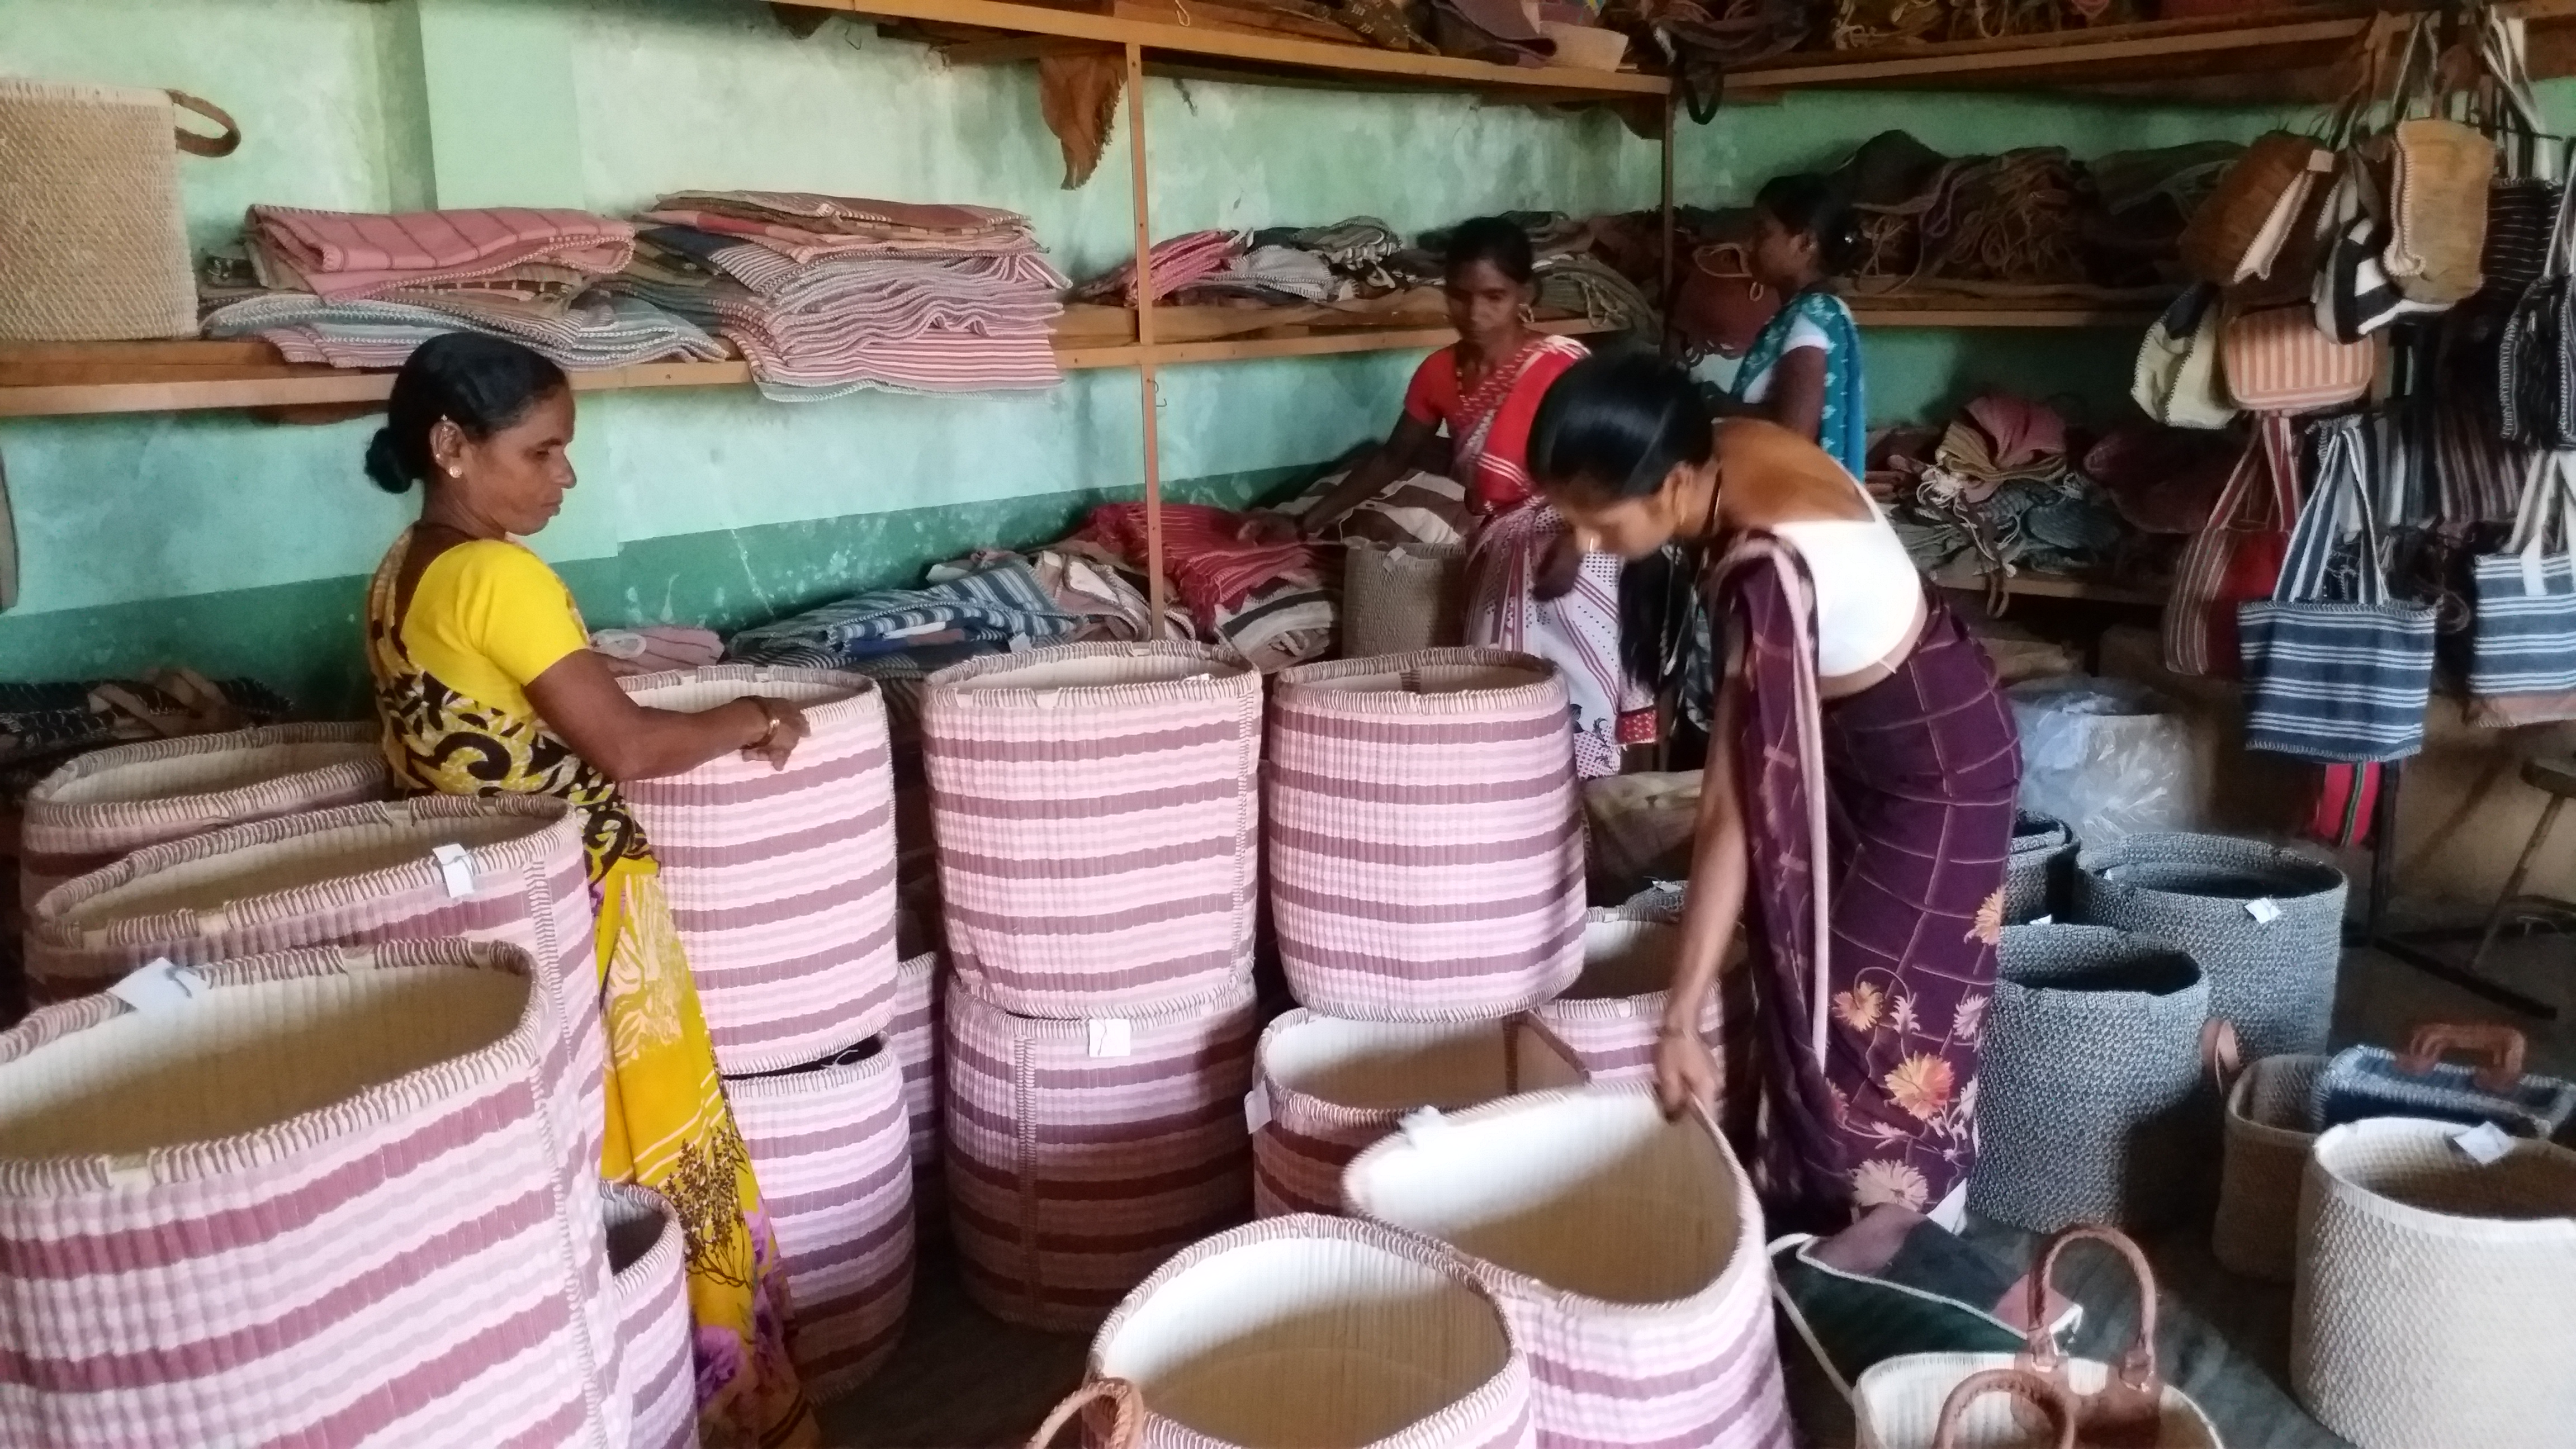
<point>1179,262</point>
<point>828,295</point>
<point>1266,603</point>
<point>362,290</point>
<point>907,632</point>
<point>2002,485</point>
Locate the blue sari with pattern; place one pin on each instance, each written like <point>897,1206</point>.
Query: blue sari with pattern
<point>1843,431</point>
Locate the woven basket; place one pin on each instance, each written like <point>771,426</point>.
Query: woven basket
<point>1323,1089</point>
<point>1403,599</point>
<point>2268,1141</point>
<point>1425,836</point>
<point>2436,1298</point>
<point>104,806</point>
<point>655,1375</point>
<point>2035,877</point>
<point>1625,1249</point>
<point>1610,1015</point>
<point>357,874</point>
<point>2092,1055</point>
<point>93,236</point>
<point>1072,1173</point>
<point>317,1197</point>
<point>2274,980</point>
<point>830,1148</point>
<point>781,881</point>
<point>1314,1330</point>
<point>1095,807</point>
<point>914,1039</point>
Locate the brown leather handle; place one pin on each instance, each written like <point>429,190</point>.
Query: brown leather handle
<point>2500,1046</point>
<point>1128,1406</point>
<point>196,145</point>
<point>2221,1054</point>
<point>2130,1403</point>
<point>2050,1399</point>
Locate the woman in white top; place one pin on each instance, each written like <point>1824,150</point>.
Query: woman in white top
<point>1859,790</point>
<point>1804,369</point>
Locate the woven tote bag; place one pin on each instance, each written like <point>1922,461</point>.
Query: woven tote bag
<point>1403,599</point>
<point>2092,1055</point>
<point>1082,1153</point>
<point>1973,1417</point>
<point>324,1196</point>
<point>1626,1250</point>
<point>2256,1234</point>
<point>2265,924</point>
<point>833,1152</point>
<point>781,881</point>
<point>2128,1403</point>
<point>1324,1089</point>
<point>106,805</point>
<point>513,872</point>
<point>650,1287</point>
<point>1610,1015</point>
<point>1425,835</point>
<point>93,236</point>
<point>2522,642</point>
<point>2035,875</point>
<point>913,1037</point>
<point>1096,811</point>
<point>2436,1295</point>
<point>1315,1331</point>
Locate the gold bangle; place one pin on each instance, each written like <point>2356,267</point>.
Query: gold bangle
<point>769,728</point>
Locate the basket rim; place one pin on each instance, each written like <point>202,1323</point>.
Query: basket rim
<point>863,699</point>
<point>44,812</point>
<point>789,1082</point>
<point>2309,879</point>
<point>1343,1114</point>
<point>1227,677</point>
<point>1311,687</point>
<point>633,1201</point>
<point>2333,1185</point>
<point>2240,1098</point>
<point>1239,993</point>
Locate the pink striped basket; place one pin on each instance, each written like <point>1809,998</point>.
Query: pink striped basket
<point>829,1145</point>
<point>1626,1249</point>
<point>105,806</point>
<point>1095,808</point>
<point>360,873</point>
<point>781,881</point>
<point>1082,1153</point>
<point>1610,1015</point>
<point>327,1196</point>
<point>1425,837</point>
<point>914,1040</point>
<point>1315,1330</point>
<point>650,1291</point>
<point>1325,1088</point>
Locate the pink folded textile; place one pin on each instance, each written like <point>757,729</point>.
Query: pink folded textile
<point>344,254</point>
<point>800,245</point>
<point>2023,432</point>
<point>1204,554</point>
<point>1179,262</point>
<point>835,210</point>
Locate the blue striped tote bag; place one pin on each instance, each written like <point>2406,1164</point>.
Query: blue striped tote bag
<point>2336,680</point>
<point>2522,645</point>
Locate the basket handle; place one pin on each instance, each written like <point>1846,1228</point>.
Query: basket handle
<point>1127,1404</point>
<point>2029,1387</point>
<point>2221,1052</point>
<point>2500,1045</point>
<point>2130,1407</point>
<point>196,145</point>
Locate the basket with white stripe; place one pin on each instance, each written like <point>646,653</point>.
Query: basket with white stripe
<point>1324,1089</point>
<point>1082,1153</point>
<point>507,868</point>
<point>829,1146</point>
<point>328,1196</point>
<point>1625,1248</point>
<point>1610,1015</point>
<point>1096,809</point>
<point>650,1288</point>
<point>111,803</point>
<point>781,881</point>
<point>1425,835</point>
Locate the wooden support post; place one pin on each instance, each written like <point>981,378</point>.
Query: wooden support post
<point>1672,237</point>
<point>1145,343</point>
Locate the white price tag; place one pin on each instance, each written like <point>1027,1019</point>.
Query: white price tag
<point>1256,1108</point>
<point>1111,1036</point>
<point>2043,920</point>
<point>161,983</point>
<point>2486,1143</point>
<point>2263,911</point>
<point>1422,1125</point>
<point>457,868</point>
<point>131,1171</point>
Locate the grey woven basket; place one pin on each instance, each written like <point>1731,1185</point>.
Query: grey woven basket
<point>2266,924</point>
<point>2043,855</point>
<point>2085,1100</point>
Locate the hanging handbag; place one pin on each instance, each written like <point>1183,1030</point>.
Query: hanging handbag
<point>2372,1081</point>
<point>2439,171</point>
<point>2277,361</point>
<point>2176,379</point>
<point>2352,295</point>
<point>2522,205</point>
<point>2535,377</point>
<point>2522,643</point>
<point>2236,556</point>
<point>2239,231</point>
<point>2338,681</point>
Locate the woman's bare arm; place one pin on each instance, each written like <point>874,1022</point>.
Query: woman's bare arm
<point>1370,477</point>
<point>1797,398</point>
<point>580,700</point>
<point>1684,1070</point>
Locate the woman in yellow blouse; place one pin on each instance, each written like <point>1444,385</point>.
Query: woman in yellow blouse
<point>486,687</point>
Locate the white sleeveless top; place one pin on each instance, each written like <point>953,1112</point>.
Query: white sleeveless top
<point>1867,587</point>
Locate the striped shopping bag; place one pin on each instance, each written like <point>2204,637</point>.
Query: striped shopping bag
<point>2236,556</point>
<point>2522,660</point>
<point>2338,681</point>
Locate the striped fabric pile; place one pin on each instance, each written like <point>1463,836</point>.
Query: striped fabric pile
<point>1179,262</point>
<point>828,295</point>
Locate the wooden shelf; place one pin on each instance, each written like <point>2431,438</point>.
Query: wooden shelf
<point>1969,312</point>
<point>2052,586</point>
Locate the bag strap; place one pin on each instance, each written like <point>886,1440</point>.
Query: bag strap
<point>1127,1404</point>
<point>2501,1047</point>
<point>2046,1396</point>
<point>197,145</point>
<point>2339,490</point>
<point>2130,1405</point>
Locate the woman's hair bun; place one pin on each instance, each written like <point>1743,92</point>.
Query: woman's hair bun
<point>384,463</point>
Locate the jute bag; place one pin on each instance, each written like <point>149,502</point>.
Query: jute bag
<point>655,1375</point>
<point>1626,1250</point>
<point>2234,235</point>
<point>1312,1331</point>
<point>2436,1294</point>
<point>1403,598</point>
<point>281,1199</point>
<point>2128,1403</point>
<point>2266,1156</point>
<point>93,237</point>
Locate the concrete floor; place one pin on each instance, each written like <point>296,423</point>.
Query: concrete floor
<point>964,1381</point>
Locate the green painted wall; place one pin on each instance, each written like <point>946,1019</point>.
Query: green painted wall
<point>236,545</point>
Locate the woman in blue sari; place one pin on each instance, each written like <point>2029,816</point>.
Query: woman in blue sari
<point>1804,370</point>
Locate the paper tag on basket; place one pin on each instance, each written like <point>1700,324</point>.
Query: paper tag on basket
<point>2043,920</point>
<point>2264,911</point>
<point>1256,1107</point>
<point>159,984</point>
<point>2486,1143</point>
<point>1111,1036</point>
<point>130,1170</point>
<point>1422,1125</point>
<point>457,868</point>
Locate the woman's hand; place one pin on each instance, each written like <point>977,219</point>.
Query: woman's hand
<point>1268,528</point>
<point>1560,566</point>
<point>783,729</point>
<point>1685,1072</point>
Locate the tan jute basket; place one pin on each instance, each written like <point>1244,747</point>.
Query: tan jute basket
<point>2257,1230</point>
<point>1403,599</point>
